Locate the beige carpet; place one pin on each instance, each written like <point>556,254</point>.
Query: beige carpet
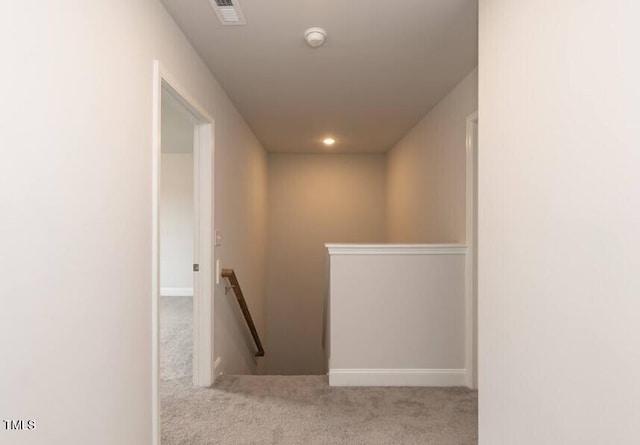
<point>305,410</point>
<point>176,337</point>
<point>287,410</point>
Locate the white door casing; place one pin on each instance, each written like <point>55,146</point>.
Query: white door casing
<point>203,153</point>
<point>471,297</point>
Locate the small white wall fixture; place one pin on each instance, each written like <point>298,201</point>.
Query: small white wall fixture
<point>203,247</point>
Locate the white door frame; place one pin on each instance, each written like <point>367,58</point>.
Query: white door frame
<point>203,153</point>
<point>471,266</point>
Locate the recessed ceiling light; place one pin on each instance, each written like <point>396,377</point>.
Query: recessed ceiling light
<point>328,141</point>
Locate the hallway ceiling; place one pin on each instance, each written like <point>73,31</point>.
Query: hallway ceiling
<point>383,67</point>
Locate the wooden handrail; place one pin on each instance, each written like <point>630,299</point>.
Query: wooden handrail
<point>230,275</point>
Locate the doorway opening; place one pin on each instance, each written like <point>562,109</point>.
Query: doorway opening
<point>182,251</point>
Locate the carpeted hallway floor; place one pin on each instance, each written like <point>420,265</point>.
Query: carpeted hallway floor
<point>176,337</point>
<point>298,410</point>
<point>270,410</point>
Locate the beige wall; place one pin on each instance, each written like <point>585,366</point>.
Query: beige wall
<point>559,163</point>
<point>76,226</point>
<point>241,217</point>
<point>176,224</point>
<point>426,172</point>
<point>397,315</point>
<point>313,199</point>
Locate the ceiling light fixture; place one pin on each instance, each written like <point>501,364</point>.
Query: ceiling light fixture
<point>328,141</point>
<point>315,36</point>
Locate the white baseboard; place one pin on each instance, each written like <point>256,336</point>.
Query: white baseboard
<point>397,377</point>
<point>176,292</point>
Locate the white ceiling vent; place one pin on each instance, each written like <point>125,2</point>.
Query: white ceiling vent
<point>228,12</point>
